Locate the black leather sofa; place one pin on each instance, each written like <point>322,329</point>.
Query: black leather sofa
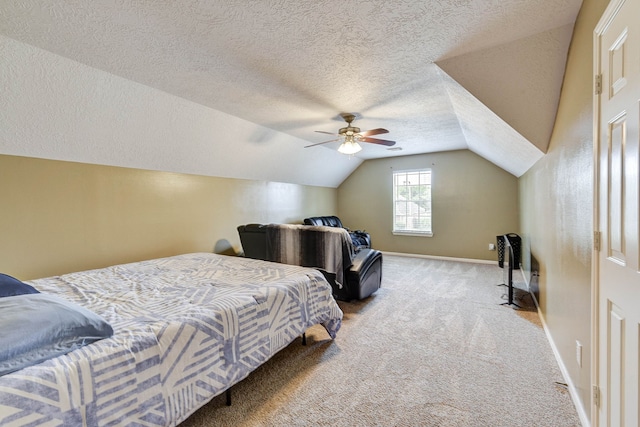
<point>361,278</point>
<point>361,239</point>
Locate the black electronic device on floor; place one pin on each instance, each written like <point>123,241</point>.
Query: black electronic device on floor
<point>508,260</point>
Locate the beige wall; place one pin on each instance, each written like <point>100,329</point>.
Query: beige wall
<point>473,202</point>
<point>58,217</point>
<point>556,212</point>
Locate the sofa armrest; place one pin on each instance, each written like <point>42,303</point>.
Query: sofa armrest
<point>363,260</point>
<point>364,277</point>
<point>327,221</point>
<point>253,238</point>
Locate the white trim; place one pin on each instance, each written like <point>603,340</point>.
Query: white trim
<point>603,22</point>
<point>573,392</point>
<point>412,233</point>
<point>442,258</point>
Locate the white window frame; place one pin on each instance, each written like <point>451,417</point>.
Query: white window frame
<point>425,175</point>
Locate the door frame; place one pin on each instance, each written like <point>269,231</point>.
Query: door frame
<point>601,26</point>
<point>595,256</point>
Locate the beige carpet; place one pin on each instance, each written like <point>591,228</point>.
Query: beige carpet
<point>433,347</point>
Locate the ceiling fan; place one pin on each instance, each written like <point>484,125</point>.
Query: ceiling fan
<point>351,136</point>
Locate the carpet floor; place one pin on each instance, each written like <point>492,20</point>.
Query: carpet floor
<point>432,347</point>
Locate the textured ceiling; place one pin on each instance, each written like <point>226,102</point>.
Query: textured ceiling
<point>439,75</point>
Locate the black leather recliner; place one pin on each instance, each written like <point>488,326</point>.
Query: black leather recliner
<point>361,278</point>
<point>361,239</point>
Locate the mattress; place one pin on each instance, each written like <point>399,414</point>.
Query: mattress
<point>186,328</point>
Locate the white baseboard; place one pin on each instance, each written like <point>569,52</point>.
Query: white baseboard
<point>442,258</point>
<point>573,392</point>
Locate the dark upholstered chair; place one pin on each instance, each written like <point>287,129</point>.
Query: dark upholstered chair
<point>253,238</point>
<point>361,277</point>
<point>361,239</point>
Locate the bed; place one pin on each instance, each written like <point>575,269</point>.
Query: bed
<point>185,329</point>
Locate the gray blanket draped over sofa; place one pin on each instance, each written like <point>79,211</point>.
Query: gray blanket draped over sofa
<point>311,246</point>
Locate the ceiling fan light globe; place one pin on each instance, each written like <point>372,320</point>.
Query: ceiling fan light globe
<point>349,147</point>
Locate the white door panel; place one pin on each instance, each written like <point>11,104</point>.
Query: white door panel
<point>618,204</point>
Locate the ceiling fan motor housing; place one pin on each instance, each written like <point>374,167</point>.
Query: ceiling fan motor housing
<point>349,130</point>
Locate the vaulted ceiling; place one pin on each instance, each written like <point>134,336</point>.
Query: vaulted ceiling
<point>440,75</point>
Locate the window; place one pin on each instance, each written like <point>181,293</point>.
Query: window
<point>412,202</point>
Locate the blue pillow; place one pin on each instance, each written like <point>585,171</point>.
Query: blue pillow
<point>37,327</point>
<point>10,286</point>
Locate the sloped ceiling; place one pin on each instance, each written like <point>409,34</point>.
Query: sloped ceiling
<point>439,75</point>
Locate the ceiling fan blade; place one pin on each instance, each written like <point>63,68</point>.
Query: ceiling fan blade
<point>320,143</point>
<point>377,131</point>
<point>379,141</point>
<point>328,133</point>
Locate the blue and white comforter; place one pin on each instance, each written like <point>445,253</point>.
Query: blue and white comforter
<point>186,329</point>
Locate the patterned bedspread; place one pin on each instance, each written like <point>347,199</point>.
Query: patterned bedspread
<point>186,329</point>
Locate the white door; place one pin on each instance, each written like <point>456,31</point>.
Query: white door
<point>617,47</point>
